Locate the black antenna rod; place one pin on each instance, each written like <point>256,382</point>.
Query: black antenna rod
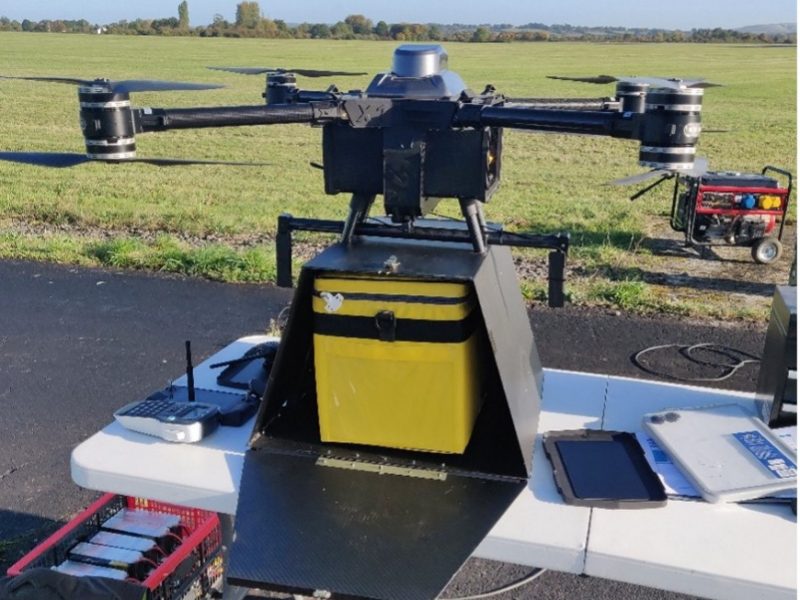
<point>189,370</point>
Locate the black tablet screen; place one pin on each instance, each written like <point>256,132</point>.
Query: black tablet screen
<point>602,470</point>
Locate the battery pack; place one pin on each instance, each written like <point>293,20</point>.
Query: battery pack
<point>130,542</point>
<point>396,362</point>
<point>81,569</point>
<point>191,570</point>
<point>142,522</point>
<point>108,556</point>
<point>150,549</point>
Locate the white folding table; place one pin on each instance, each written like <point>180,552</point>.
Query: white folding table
<point>717,551</point>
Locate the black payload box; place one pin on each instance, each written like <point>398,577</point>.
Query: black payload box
<point>777,378</point>
<point>386,519</point>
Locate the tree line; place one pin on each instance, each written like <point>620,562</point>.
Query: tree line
<point>250,22</point>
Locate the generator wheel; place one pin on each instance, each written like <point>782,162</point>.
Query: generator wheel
<point>767,250</point>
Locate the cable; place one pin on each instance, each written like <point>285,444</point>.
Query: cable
<point>489,226</point>
<point>177,537</point>
<point>283,317</point>
<point>535,574</point>
<point>446,217</point>
<point>719,349</point>
<point>686,351</point>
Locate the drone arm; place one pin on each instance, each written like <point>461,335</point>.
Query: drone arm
<point>564,103</point>
<point>314,96</point>
<point>667,133</point>
<point>585,122</point>
<point>162,119</point>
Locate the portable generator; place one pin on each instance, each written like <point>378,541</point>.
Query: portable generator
<point>738,209</point>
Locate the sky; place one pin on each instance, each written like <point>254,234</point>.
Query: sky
<point>662,14</point>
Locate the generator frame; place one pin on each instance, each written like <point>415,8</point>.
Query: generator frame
<point>683,216</point>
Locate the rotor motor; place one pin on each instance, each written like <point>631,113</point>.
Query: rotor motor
<point>670,132</point>
<point>632,96</point>
<point>107,123</point>
<point>281,88</point>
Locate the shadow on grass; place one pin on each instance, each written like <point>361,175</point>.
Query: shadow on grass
<point>678,249</point>
<point>714,284</point>
<point>629,238</point>
<point>671,247</point>
<point>583,237</point>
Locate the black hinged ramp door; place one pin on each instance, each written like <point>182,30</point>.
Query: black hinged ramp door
<point>303,526</point>
<point>381,523</point>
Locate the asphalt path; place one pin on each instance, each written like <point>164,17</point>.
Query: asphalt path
<point>77,343</point>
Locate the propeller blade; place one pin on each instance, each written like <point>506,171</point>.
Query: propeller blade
<point>700,167</point>
<point>46,159</point>
<point>641,177</point>
<point>173,162</point>
<point>302,72</point>
<point>150,85</point>
<point>600,79</point>
<point>657,183</point>
<point>130,85</point>
<point>69,80</point>
<point>705,84</point>
<point>319,73</point>
<point>246,70</point>
<point>676,83</point>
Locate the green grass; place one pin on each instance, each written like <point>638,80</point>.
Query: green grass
<point>551,182</point>
<point>212,261</point>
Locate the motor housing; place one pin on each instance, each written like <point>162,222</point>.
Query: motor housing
<point>107,123</point>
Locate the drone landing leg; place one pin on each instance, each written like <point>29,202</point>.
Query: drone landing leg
<point>359,209</point>
<point>471,209</point>
<point>481,220</point>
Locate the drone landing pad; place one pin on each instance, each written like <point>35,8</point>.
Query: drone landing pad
<point>302,526</point>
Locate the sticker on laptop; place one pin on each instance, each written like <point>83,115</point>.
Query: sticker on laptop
<point>765,452</point>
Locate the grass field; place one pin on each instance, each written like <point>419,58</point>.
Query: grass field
<point>218,222</point>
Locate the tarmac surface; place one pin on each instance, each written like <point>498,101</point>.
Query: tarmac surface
<point>75,344</point>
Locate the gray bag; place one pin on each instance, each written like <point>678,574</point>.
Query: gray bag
<point>46,584</point>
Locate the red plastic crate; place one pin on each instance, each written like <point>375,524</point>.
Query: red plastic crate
<point>189,572</point>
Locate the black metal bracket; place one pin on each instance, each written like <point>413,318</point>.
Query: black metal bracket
<point>790,179</point>
<point>557,243</point>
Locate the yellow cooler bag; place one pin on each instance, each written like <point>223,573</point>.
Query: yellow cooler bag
<point>396,362</point>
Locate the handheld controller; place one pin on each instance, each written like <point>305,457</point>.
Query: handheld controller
<point>171,420</point>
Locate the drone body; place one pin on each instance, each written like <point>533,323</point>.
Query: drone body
<point>418,133</point>
<point>399,141</point>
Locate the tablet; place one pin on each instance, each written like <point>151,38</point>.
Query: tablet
<point>602,469</point>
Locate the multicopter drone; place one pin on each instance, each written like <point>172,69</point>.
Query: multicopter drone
<point>429,334</point>
<point>415,135</point>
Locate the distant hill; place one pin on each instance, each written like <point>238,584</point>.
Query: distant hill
<point>773,29</point>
